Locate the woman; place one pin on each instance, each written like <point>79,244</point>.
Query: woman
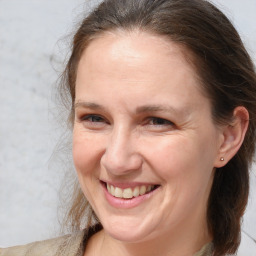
<point>163,118</point>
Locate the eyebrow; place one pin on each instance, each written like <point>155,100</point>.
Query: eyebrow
<point>91,105</point>
<point>155,108</point>
<point>139,110</point>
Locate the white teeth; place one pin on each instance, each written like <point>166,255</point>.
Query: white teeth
<point>112,191</point>
<point>143,190</point>
<point>129,192</point>
<point>136,192</point>
<point>118,192</point>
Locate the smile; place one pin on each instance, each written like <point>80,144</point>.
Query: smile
<point>129,193</point>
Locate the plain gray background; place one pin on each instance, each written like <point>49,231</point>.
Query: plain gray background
<point>33,45</point>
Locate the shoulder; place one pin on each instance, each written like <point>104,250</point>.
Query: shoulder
<point>68,245</point>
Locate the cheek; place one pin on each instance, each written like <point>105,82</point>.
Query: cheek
<point>181,159</point>
<point>80,156</point>
<point>86,156</point>
<point>169,156</point>
<point>86,152</point>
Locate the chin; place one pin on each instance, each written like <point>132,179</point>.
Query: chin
<point>124,231</point>
<point>127,236</point>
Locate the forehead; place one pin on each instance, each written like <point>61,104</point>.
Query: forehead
<point>138,63</point>
<point>135,50</point>
<point>130,46</point>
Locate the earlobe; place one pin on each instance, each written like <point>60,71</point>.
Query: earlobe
<point>233,136</point>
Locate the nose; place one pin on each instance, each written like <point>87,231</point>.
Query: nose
<point>121,156</point>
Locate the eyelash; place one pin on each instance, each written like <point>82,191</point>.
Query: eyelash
<point>98,117</point>
<point>162,121</point>
<point>155,122</point>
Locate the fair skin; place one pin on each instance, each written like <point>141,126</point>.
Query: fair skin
<point>142,123</point>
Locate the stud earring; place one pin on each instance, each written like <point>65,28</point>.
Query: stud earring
<point>222,159</point>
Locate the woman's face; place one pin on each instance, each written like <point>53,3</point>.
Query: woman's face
<point>144,142</point>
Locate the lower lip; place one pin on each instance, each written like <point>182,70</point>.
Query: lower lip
<point>126,203</point>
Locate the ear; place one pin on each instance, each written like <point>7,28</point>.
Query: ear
<point>232,136</point>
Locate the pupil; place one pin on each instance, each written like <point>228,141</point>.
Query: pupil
<point>159,121</point>
<point>96,119</point>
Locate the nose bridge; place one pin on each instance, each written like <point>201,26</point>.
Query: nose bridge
<point>121,154</point>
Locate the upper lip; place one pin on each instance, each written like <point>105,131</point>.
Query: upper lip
<point>125,185</point>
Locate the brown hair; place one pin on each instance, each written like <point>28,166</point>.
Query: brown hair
<point>227,77</point>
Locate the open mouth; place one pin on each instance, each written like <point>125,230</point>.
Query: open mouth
<point>128,193</point>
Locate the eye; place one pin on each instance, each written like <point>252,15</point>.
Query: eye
<point>93,118</point>
<point>93,121</point>
<point>157,124</point>
<point>159,121</point>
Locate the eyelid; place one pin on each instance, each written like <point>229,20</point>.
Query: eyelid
<point>150,122</point>
<point>163,120</point>
<point>93,124</point>
<point>165,125</point>
<point>86,117</point>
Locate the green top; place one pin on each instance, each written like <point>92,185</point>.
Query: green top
<point>206,250</point>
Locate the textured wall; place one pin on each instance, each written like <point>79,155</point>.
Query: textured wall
<point>29,52</point>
